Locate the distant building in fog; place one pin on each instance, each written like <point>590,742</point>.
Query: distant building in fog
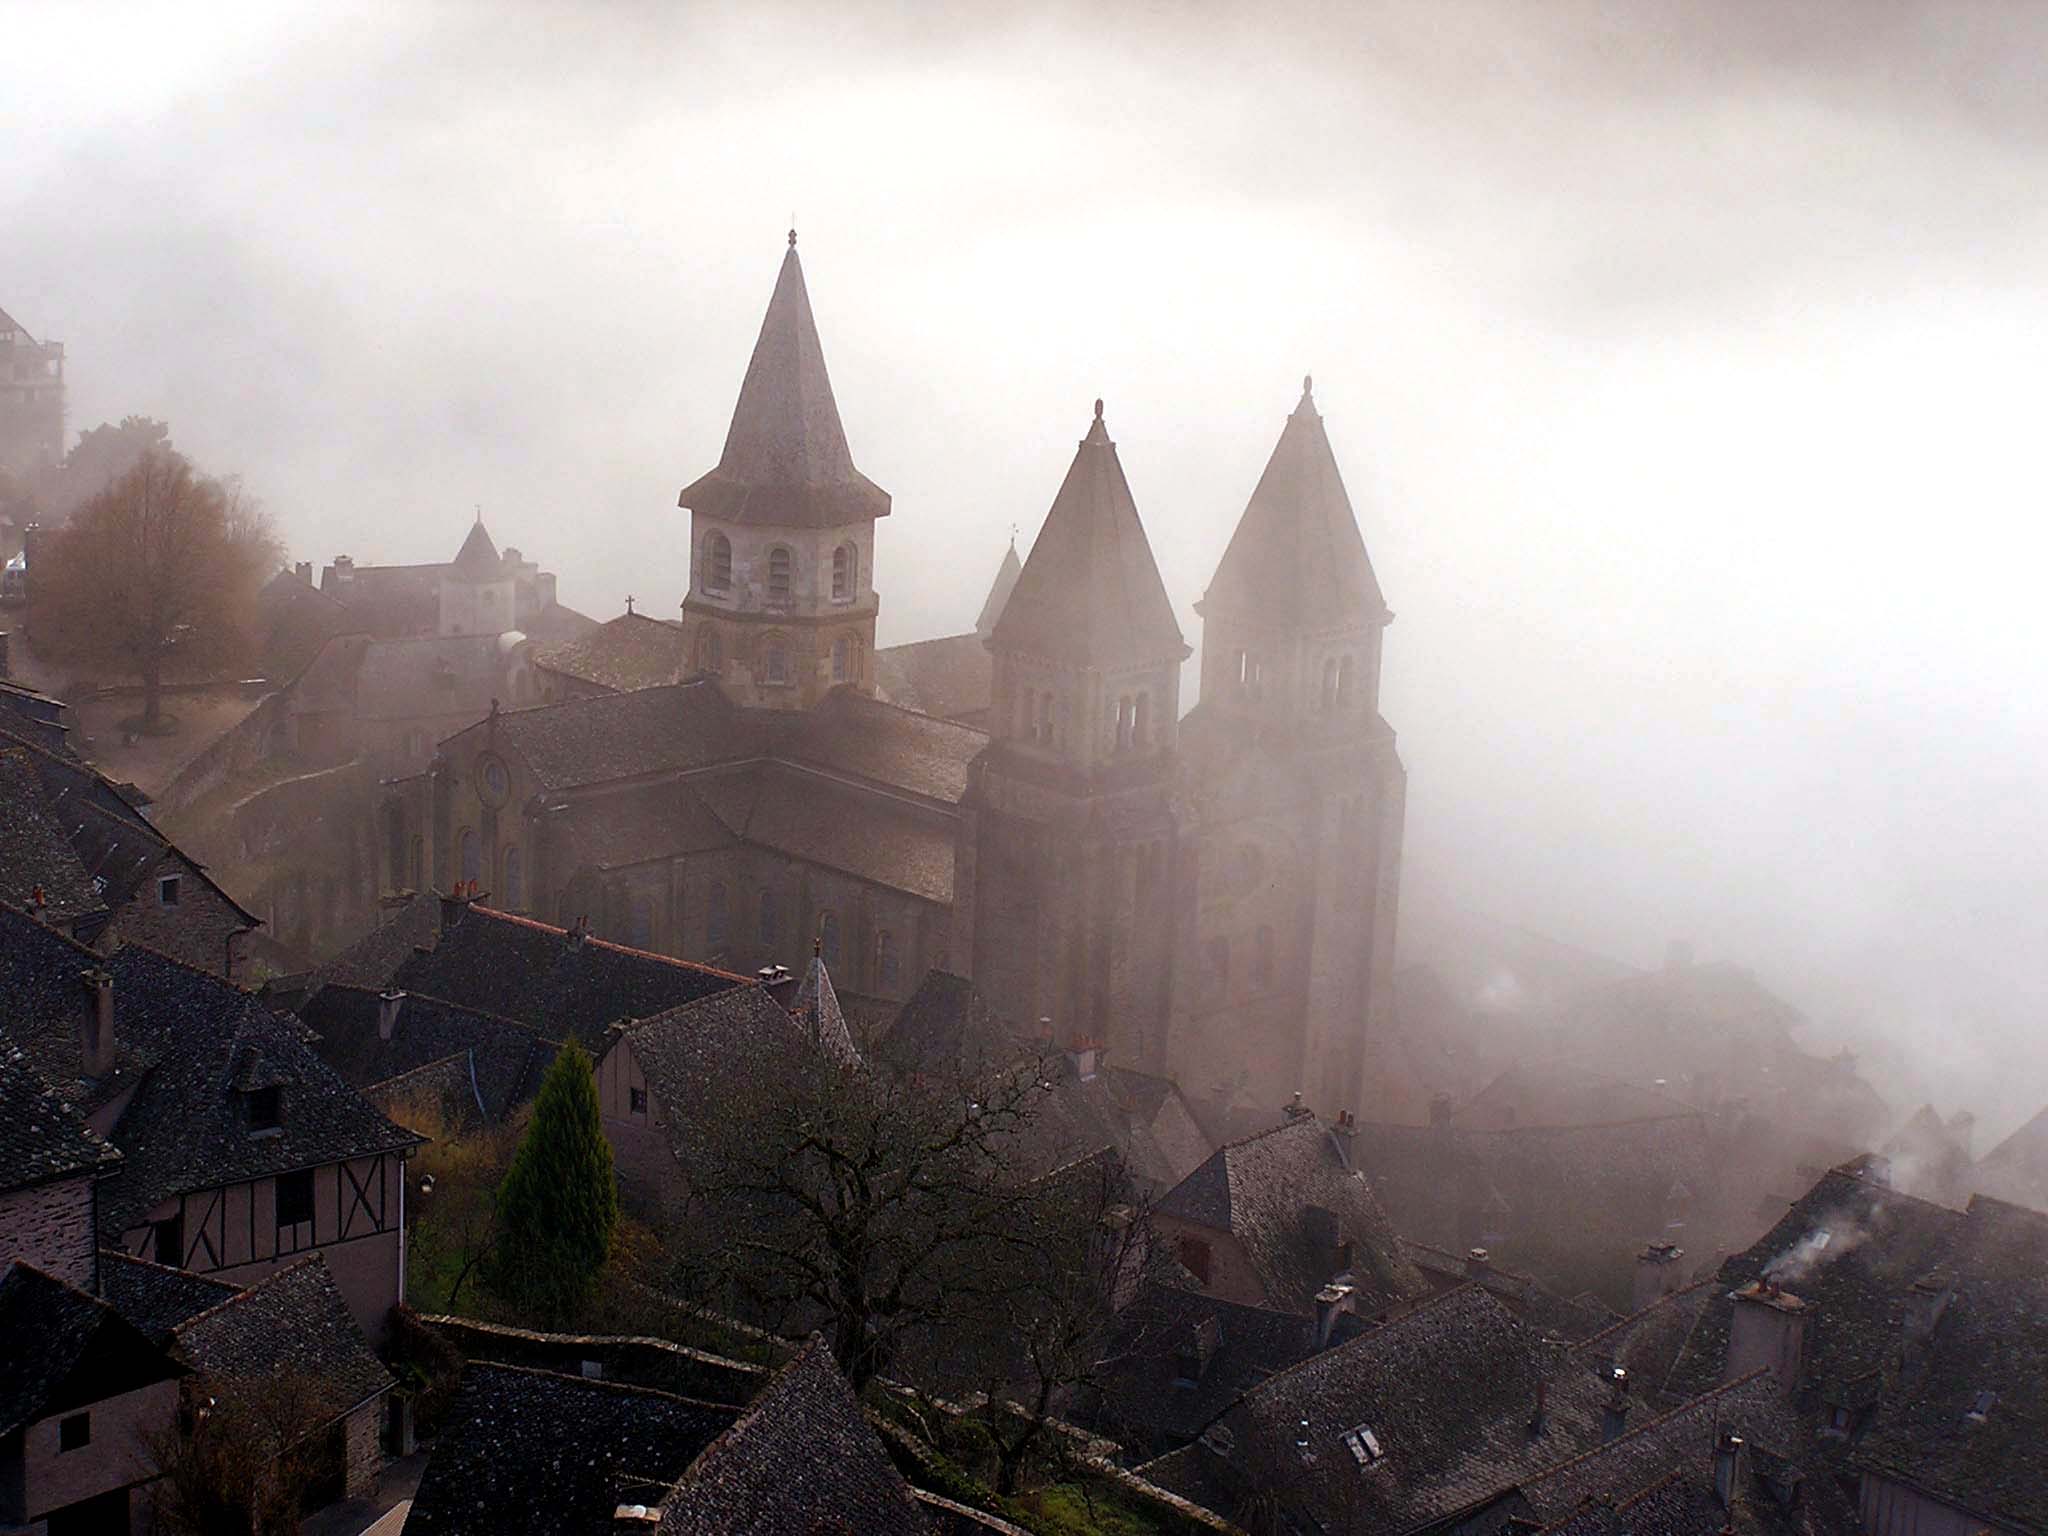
<point>1213,899</point>
<point>31,398</point>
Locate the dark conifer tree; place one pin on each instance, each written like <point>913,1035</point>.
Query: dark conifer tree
<point>559,1202</point>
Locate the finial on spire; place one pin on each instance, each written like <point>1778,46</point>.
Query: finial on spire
<point>629,605</point>
<point>1308,385</point>
<point>792,237</point>
<point>479,511</point>
<point>1098,409</point>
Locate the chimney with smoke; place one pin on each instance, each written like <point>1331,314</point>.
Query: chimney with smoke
<point>1332,1301</point>
<point>1768,1327</point>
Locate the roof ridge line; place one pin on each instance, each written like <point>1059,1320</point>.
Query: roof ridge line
<point>245,1290</point>
<point>444,1002</point>
<point>624,949</point>
<point>1545,1473</point>
<point>1642,1312</point>
<point>599,1382</point>
<point>1391,1323</point>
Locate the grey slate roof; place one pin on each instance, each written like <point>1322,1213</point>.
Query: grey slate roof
<point>951,676</point>
<point>1090,593</point>
<point>1259,1188</point>
<point>34,852</point>
<point>2017,1168</point>
<point>478,558</point>
<point>1297,555</point>
<point>705,1060</point>
<point>816,1010</point>
<point>999,593</point>
<point>155,1297</point>
<point>786,461</point>
<point>902,848</point>
<point>532,1453</point>
<point>623,735</point>
<point>629,652</point>
<point>946,1028</point>
<point>506,1058</point>
<point>64,1349</point>
<point>801,1458</point>
<point>292,1323</point>
<point>42,1135</point>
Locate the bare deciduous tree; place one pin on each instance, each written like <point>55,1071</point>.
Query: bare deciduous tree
<point>241,1458</point>
<point>163,563</point>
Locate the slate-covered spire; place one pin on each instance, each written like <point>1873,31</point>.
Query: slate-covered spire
<point>1090,595</point>
<point>999,593</point>
<point>478,557</point>
<point>816,1009</point>
<point>1297,557</point>
<point>786,461</point>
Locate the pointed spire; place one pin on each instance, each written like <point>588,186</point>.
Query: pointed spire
<point>786,461</point>
<point>817,1009</point>
<point>1297,552</point>
<point>1090,594</point>
<point>999,593</point>
<point>478,557</point>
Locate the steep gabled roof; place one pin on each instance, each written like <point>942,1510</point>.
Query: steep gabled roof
<point>1090,595</point>
<point>478,559</point>
<point>156,1298</point>
<point>999,592</point>
<point>786,462</point>
<point>291,1323</point>
<point>65,1349</point>
<point>706,1060</point>
<point>622,654</point>
<point>533,1453</point>
<point>1297,557</point>
<point>42,1136</point>
<point>946,1028</point>
<point>503,1060</point>
<point>800,1456</point>
<point>816,1009</point>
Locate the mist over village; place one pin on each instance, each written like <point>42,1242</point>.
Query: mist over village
<point>1180,769</point>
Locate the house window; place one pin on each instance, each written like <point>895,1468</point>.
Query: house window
<point>515,880</point>
<point>266,1109</point>
<point>1262,958</point>
<point>714,913</point>
<point>167,890</point>
<point>774,662</point>
<point>472,855</point>
<point>294,1198</point>
<point>717,563</point>
<point>766,920</point>
<point>886,966</point>
<point>637,1100</point>
<point>1193,1254</point>
<point>74,1432</point>
<point>167,1239</point>
<point>845,567</point>
<point>779,564</point>
<point>828,937</point>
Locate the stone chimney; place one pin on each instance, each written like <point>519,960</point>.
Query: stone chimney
<point>1331,1301</point>
<point>1727,1468</point>
<point>4,638</point>
<point>344,572</point>
<point>1768,1327</point>
<point>96,1033</point>
<point>1659,1272</point>
<point>1296,1110</point>
<point>1614,1416</point>
<point>1478,1264</point>
<point>780,982</point>
<point>388,1004</point>
<point>1082,1055</point>
<point>304,571</point>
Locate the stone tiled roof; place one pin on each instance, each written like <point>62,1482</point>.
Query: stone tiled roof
<point>533,974</point>
<point>478,558</point>
<point>816,1010</point>
<point>1879,1243</point>
<point>533,1453</point>
<point>506,1059</point>
<point>951,677</point>
<point>800,1456</point>
<point>636,826</point>
<point>1297,552</point>
<point>43,1001</point>
<point>704,1061</point>
<point>902,848</point>
<point>34,851</point>
<point>899,748</point>
<point>786,462</point>
<point>293,1324</point>
<point>1259,1189</point>
<point>623,735</point>
<point>64,1349</point>
<point>2017,1168</point>
<point>373,960</point>
<point>42,1135</point>
<point>1090,593</point>
<point>999,592</point>
<point>1448,1393</point>
<point>155,1297</point>
<point>629,652</point>
<point>186,1127</point>
<point>1969,1421</point>
<point>946,1027</point>
<point>419,675</point>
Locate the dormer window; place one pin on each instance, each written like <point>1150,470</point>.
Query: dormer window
<point>266,1110</point>
<point>168,889</point>
<point>1980,1407</point>
<point>1364,1446</point>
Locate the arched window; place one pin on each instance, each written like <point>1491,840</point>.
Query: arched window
<point>1343,684</point>
<point>515,880</point>
<point>717,563</point>
<point>1262,957</point>
<point>845,573</point>
<point>1141,722</point>
<point>842,660</point>
<point>779,562</point>
<point>828,937</point>
<point>640,921</point>
<point>714,914</point>
<point>766,920</point>
<point>774,661</point>
<point>887,969</point>
<point>472,855</point>
<point>710,649</point>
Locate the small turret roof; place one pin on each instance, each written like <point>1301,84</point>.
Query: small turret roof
<point>999,593</point>
<point>1090,595</point>
<point>786,462</point>
<point>1297,552</point>
<point>478,556</point>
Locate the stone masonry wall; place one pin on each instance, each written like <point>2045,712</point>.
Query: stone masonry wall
<point>51,1226</point>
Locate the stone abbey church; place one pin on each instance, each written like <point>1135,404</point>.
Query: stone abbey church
<point>1210,897</point>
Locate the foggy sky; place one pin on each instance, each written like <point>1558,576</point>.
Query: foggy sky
<point>1683,362</point>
